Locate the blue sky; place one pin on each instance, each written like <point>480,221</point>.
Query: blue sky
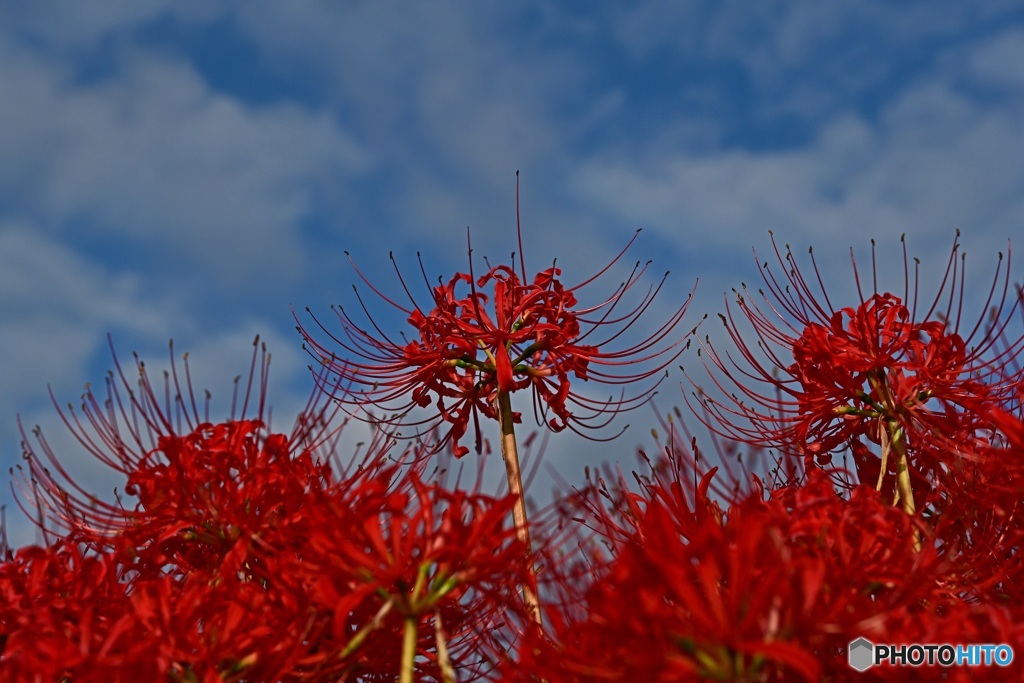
<point>191,170</point>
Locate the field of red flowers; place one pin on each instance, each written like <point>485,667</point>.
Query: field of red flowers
<point>862,477</point>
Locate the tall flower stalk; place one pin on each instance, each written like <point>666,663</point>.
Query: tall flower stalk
<point>486,337</point>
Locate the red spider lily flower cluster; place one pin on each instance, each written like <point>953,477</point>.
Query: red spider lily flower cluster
<point>57,605</point>
<point>875,376</point>
<point>865,480</point>
<point>771,583</point>
<point>234,554</point>
<point>500,332</point>
<point>976,513</point>
<point>473,349</point>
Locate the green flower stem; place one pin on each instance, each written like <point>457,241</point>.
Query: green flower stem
<point>527,352</point>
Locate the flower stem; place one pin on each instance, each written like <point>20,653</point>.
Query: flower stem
<point>903,484</point>
<point>361,634</point>
<point>510,454</point>
<point>892,439</point>
<point>408,650</point>
<point>444,662</point>
<point>904,488</point>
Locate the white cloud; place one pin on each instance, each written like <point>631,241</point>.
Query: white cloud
<point>935,162</point>
<point>772,37</point>
<point>57,306</point>
<point>998,62</point>
<point>155,156</point>
<point>70,27</point>
<point>450,99</point>
<point>801,61</point>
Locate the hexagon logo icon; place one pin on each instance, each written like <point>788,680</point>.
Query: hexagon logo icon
<point>860,653</point>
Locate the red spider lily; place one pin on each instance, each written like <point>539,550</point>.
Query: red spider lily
<point>438,569</point>
<point>90,617</point>
<point>979,517</point>
<point>472,350</point>
<point>218,627</point>
<point>471,345</point>
<point>64,614</point>
<point>299,582</point>
<point>247,556</point>
<point>67,615</point>
<point>206,500</point>
<point>951,621</point>
<point>879,372</point>
<point>139,433</point>
<point>217,508</point>
<point>769,591</point>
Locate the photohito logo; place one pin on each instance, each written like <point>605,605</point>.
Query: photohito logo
<point>862,654</point>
